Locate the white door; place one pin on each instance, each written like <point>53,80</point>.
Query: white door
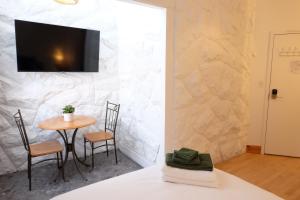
<point>283,123</point>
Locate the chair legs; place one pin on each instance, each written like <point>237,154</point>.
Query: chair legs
<point>29,170</point>
<point>115,147</point>
<point>57,160</point>
<point>106,148</point>
<point>84,143</point>
<point>92,144</point>
<point>62,166</point>
<point>93,148</point>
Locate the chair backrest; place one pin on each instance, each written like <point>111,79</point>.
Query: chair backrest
<point>22,130</point>
<point>111,116</point>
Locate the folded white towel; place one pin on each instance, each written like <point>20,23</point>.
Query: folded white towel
<point>193,175</point>
<point>213,184</point>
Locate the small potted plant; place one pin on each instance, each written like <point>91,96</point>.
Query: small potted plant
<point>68,111</point>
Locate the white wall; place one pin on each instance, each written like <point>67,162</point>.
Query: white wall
<point>271,16</point>
<point>141,45</point>
<point>209,64</point>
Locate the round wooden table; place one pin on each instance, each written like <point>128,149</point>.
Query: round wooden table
<point>58,124</point>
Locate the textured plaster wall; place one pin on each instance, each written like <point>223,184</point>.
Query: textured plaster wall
<point>211,76</point>
<point>141,68</point>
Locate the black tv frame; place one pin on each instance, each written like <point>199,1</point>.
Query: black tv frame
<point>54,25</point>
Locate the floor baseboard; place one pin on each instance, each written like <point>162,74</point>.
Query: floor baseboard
<point>253,149</point>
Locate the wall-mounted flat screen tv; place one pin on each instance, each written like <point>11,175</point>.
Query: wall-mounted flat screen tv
<point>51,48</point>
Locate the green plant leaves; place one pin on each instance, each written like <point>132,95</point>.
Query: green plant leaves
<point>68,109</point>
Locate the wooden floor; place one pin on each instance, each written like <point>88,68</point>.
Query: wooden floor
<point>277,174</point>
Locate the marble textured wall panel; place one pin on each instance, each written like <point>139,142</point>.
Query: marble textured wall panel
<point>141,68</point>
<point>211,75</point>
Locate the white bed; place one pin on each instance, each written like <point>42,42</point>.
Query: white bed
<point>146,184</point>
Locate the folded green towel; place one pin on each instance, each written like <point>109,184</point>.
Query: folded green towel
<point>176,159</point>
<point>205,163</point>
<point>186,154</point>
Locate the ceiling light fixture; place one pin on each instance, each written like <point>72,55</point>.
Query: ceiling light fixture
<point>69,2</point>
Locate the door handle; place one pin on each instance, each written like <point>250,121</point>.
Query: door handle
<point>274,94</point>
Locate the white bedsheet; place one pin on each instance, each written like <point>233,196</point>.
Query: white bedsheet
<point>146,184</point>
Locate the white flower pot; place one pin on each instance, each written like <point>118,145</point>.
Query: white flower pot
<point>68,117</point>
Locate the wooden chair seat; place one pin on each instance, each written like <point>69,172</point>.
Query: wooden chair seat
<point>98,136</point>
<point>45,148</point>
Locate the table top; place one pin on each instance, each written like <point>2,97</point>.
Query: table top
<point>58,123</point>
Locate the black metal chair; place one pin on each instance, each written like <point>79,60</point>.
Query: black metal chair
<point>109,133</point>
<point>38,149</point>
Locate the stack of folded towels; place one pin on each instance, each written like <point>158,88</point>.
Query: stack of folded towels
<point>187,166</point>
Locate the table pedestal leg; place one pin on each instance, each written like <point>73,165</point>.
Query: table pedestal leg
<point>65,138</point>
<point>70,147</point>
<point>74,152</point>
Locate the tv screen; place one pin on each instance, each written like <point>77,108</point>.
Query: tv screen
<point>51,48</point>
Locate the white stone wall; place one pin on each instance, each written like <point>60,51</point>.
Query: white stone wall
<point>141,67</point>
<point>212,75</point>
<point>41,95</point>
